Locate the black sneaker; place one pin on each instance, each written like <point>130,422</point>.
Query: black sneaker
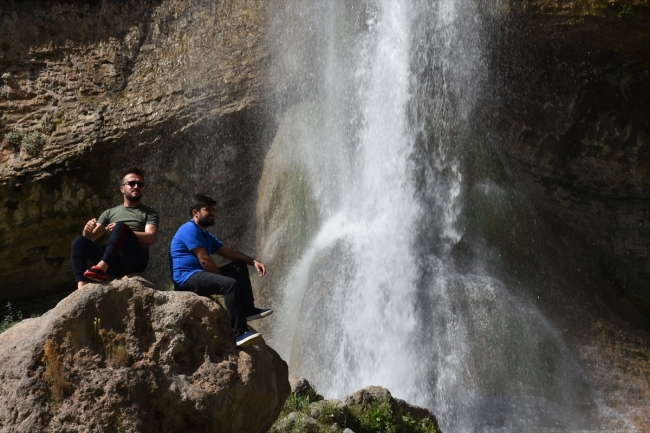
<point>247,338</point>
<point>257,313</point>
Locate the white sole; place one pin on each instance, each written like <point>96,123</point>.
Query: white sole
<point>259,316</point>
<point>255,338</point>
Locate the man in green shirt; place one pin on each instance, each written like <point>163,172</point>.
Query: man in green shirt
<point>133,227</point>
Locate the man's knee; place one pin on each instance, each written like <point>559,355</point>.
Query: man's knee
<point>79,242</point>
<point>230,285</point>
<point>241,267</point>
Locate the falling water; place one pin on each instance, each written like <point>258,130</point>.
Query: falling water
<point>376,101</point>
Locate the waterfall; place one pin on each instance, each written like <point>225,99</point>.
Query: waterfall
<point>368,208</point>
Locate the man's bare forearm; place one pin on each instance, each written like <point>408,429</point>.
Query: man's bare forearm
<point>209,265</point>
<point>232,255</point>
<point>146,238</point>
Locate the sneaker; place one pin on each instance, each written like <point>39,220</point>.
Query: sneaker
<point>247,338</point>
<point>257,313</point>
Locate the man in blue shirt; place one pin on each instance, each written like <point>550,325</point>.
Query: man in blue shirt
<point>193,270</point>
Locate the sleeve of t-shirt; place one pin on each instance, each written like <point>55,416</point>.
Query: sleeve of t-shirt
<point>216,243</point>
<point>192,238</point>
<point>105,218</point>
<point>152,218</point>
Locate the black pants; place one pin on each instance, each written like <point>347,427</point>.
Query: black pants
<point>235,286</point>
<point>123,253</point>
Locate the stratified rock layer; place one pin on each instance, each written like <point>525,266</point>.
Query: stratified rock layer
<point>124,357</point>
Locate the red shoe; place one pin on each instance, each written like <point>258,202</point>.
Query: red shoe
<point>96,274</point>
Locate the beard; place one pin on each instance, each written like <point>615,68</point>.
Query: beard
<point>130,197</point>
<point>206,221</point>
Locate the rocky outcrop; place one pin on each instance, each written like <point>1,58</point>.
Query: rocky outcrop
<point>339,415</point>
<point>87,89</point>
<point>125,357</point>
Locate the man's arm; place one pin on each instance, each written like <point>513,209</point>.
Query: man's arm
<point>148,236</point>
<point>206,261</point>
<point>233,255</point>
<point>92,230</point>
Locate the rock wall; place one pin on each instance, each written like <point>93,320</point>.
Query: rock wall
<point>124,357</point>
<point>571,81</point>
<point>88,88</point>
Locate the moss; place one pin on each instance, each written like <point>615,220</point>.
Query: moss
<point>59,118</point>
<point>292,205</point>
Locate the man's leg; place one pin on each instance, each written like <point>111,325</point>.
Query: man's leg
<point>239,271</point>
<point>82,250</point>
<point>123,254</point>
<point>208,284</point>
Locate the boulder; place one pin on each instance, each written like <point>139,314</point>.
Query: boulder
<point>368,395</point>
<point>297,421</point>
<point>126,357</point>
<point>301,386</point>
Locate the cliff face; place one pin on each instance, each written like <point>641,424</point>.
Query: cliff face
<point>167,85</point>
<point>571,81</point>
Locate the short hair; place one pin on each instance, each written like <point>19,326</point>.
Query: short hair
<point>132,170</point>
<point>201,201</point>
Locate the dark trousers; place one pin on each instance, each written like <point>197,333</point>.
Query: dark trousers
<point>235,286</point>
<point>123,253</point>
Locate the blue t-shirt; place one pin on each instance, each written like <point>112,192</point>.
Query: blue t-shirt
<point>181,260</point>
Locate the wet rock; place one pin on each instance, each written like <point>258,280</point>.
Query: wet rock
<point>125,357</point>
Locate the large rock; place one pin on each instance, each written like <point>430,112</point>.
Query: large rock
<point>125,357</point>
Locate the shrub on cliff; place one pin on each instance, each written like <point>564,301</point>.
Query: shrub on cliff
<point>29,141</point>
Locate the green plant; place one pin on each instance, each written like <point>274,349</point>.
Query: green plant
<point>30,141</point>
<point>33,142</point>
<point>374,418</point>
<point>6,76</point>
<point>15,137</point>
<point>59,117</point>
<point>624,11</point>
<point>378,417</point>
<point>97,326</point>
<point>10,319</point>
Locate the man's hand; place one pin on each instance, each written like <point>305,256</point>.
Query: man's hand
<point>109,227</point>
<point>259,266</point>
<point>89,228</point>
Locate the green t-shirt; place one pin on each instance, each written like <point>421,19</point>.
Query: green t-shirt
<point>134,217</point>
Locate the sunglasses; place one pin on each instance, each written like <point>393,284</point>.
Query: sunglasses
<point>133,183</point>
